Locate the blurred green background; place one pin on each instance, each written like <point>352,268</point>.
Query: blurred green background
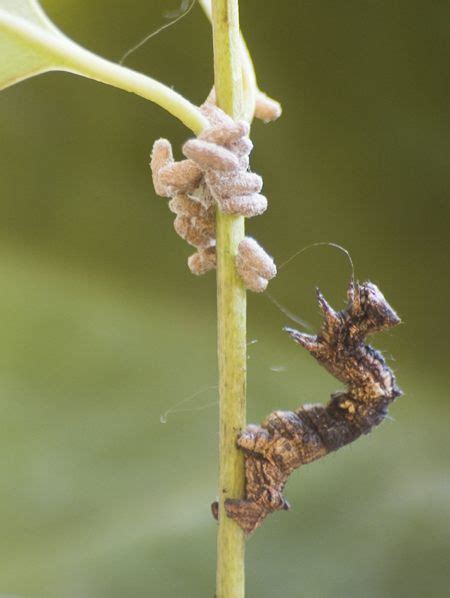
<point>104,329</point>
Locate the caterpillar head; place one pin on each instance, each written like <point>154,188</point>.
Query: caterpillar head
<point>369,306</point>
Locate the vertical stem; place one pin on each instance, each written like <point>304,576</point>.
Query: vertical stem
<point>231,316</point>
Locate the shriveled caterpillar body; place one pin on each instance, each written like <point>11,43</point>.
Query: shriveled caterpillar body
<point>288,439</point>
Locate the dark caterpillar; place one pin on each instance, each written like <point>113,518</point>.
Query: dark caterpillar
<point>288,439</point>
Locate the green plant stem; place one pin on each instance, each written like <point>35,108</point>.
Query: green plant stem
<point>58,52</point>
<point>231,316</point>
<point>249,84</point>
<point>112,74</point>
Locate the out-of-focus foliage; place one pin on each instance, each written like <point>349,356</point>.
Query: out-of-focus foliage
<point>103,328</point>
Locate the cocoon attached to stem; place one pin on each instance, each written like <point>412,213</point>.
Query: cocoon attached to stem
<point>214,176</point>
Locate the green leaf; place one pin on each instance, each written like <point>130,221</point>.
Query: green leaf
<point>29,10</point>
<point>20,57</point>
<point>30,44</point>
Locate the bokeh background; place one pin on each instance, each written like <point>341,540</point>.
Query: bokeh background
<point>103,329</point>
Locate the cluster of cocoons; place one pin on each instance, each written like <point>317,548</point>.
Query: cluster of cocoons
<point>215,175</point>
